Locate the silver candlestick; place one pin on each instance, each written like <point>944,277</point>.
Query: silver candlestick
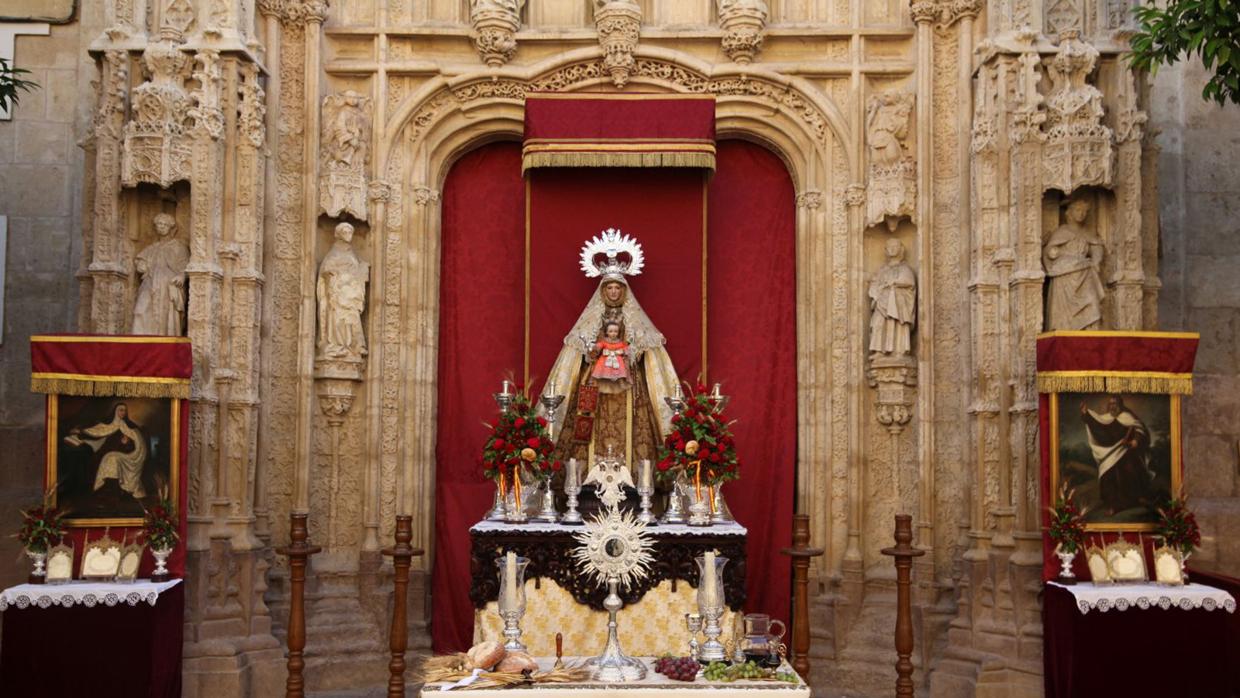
<point>551,403</point>
<point>512,631</point>
<point>675,513</point>
<point>712,650</point>
<point>498,512</point>
<point>613,665</point>
<point>676,400</point>
<point>547,513</point>
<point>572,488</point>
<point>504,398</point>
<point>646,516</point>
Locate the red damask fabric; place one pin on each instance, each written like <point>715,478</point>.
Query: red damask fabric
<point>751,243</point>
<point>480,342</point>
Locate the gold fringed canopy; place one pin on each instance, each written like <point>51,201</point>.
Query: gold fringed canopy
<point>111,365</point>
<point>618,130</point>
<point>1116,362</point>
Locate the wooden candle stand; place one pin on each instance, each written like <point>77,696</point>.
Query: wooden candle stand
<point>800,552</point>
<point>904,552</point>
<point>401,555</point>
<point>298,552</point>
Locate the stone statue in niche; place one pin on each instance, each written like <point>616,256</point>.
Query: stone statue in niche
<point>160,305</point>
<point>891,189</point>
<point>346,144</point>
<point>1073,260</point>
<point>893,304</point>
<point>341,293</point>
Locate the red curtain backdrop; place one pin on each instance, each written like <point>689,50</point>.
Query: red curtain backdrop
<point>480,342</point>
<point>751,328</point>
<point>662,208</point>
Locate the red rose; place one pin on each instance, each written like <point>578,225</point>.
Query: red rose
<point>532,442</point>
<point>542,422</point>
<point>556,466</point>
<point>664,465</point>
<point>714,457</point>
<point>699,388</point>
<point>498,444</point>
<point>676,417</point>
<point>519,423</point>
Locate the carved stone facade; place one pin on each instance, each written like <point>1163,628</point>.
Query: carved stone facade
<point>943,129</point>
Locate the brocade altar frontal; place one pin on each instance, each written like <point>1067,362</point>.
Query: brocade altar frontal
<point>1122,597</point>
<point>619,130</point>
<point>88,594</point>
<point>654,626</point>
<point>653,686</point>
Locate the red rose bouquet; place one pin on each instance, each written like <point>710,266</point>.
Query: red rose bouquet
<point>160,526</point>
<point>41,528</point>
<point>1178,526</point>
<point>1067,527</point>
<point>700,443</point>
<point>519,439</point>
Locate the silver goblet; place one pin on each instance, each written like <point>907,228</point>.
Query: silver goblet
<point>693,621</point>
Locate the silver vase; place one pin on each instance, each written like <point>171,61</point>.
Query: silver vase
<point>498,511</point>
<point>721,514</point>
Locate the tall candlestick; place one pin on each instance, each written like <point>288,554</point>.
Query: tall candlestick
<point>510,581</point>
<point>570,477</point>
<point>709,591</point>
<point>647,475</point>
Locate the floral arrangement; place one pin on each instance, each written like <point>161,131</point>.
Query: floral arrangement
<point>700,443</point>
<point>160,527</point>
<point>1178,526</point>
<point>41,527</point>
<point>1067,527</point>
<point>519,437</point>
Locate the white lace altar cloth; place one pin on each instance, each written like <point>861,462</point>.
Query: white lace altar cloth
<point>1122,597</point>
<point>719,529</point>
<point>653,686</point>
<point>87,594</point>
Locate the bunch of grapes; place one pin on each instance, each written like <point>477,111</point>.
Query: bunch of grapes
<point>718,671</point>
<point>677,668</point>
<point>787,676</point>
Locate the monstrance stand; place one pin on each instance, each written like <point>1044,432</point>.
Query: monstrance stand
<point>614,550</point>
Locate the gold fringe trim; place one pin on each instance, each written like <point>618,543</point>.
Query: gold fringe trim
<point>617,159</point>
<point>110,388</point>
<point>1103,382</point>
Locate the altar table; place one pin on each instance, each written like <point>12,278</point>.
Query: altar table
<point>653,686</point>
<point>92,639</point>
<point>559,598</point>
<point>1116,645</point>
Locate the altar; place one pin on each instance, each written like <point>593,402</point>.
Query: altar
<point>560,599</point>
<point>653,686</point>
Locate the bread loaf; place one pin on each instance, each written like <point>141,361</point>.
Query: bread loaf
<point>485,655</point>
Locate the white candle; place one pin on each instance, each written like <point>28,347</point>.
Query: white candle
<point>715,391</point>
<point>550,391</point>
<point>678,393</point>
<point>507,389</point>
<point>510,581</point>
<point>570,477</point>
<point>709,592</point>
<point>647,475</point>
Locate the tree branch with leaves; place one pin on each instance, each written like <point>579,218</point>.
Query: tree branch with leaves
<point>1208,29</point>
<point>12,84</point>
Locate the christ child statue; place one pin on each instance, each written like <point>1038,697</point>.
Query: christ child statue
<point>611,368</point>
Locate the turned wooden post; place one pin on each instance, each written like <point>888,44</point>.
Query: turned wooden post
<point>298,552</point>
<point>399,641</point>
<point>800,552</point>
<point>904,552</point>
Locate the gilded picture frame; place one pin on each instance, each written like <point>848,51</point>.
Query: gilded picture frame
<point>99,488</point>
<point>1077,455</point>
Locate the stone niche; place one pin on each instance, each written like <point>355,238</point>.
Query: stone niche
<point>139,206</point>
<point>1101,221</point>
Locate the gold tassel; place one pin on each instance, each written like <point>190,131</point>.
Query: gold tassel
<point>1072,382</point>
<point>617,159</point>
<point>93,388</point>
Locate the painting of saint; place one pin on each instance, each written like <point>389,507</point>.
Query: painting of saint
<point>110,457</point>
<point>1120,454</point>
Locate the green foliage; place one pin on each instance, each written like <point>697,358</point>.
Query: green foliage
<point>12,84</point>
<point>1209,29</point>
<point>41,527</point>
<point>160,526</point>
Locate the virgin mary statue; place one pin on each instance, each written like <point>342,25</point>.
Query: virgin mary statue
<point>613,365</point>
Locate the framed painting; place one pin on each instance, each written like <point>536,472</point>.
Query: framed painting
<point>111,457</point>
<point>1119,452</point>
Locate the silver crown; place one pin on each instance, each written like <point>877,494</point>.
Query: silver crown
<point>612,253</point>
